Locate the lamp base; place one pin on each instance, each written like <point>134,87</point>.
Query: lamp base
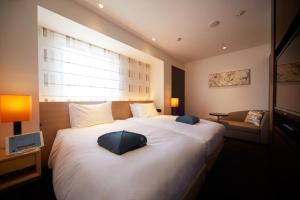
<point>17,128</point>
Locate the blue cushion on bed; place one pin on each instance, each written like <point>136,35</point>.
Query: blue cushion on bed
<point>120,142</point>
<point>188,119</point>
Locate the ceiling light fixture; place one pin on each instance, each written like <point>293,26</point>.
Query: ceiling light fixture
<point>224,46</point>
<point>100,5</point>
<point>153,39</point>
<point>214,24</point>
<point>240,13</point>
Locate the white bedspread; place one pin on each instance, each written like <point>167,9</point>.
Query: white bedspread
<point>208,132</point>
<point>161,170</point>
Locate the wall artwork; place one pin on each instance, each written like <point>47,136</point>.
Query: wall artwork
<point>288,72</point>
<point>231,78</point>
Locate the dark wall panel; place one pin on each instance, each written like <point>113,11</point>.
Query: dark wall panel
<point>178,85</point>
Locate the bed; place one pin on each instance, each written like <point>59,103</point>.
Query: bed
<point>163,169</point>
<point>172,165</point>
<point>209,133</point>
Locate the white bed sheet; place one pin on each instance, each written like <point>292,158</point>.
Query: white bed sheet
<point>208,132</point>
<point>161,170</point>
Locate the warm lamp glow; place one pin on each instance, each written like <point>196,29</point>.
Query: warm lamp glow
<point>174,102</point>
<point>15,108</point>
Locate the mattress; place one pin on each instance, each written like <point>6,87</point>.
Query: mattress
<point>207,132</point>
<point>163,169</point>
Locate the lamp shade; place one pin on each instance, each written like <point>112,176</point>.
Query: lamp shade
<point>15,108</point>
<point>174,102</point>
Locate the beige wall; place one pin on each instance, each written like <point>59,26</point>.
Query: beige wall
<point>19,54</point>
<point>200,99</point>
<point>18,57</point>
<point>76,12</point>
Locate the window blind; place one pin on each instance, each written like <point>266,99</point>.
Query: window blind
<point>74,70</point>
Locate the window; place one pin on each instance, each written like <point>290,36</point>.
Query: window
<point>74,70</point>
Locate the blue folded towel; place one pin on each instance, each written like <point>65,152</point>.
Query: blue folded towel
<point>188,119</point>
<point>120,142</point>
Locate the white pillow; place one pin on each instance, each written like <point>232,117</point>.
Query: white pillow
<point>134,110</point>
<point>145,109</point>
<point>254,117</point>
<point>89,115</point>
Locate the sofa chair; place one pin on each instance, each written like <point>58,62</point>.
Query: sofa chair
<point>237,128</point>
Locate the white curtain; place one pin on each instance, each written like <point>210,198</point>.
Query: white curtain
<point>74,70</point>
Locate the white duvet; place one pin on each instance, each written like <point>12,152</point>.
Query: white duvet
<point>207,132</point>
<point>161,170</point>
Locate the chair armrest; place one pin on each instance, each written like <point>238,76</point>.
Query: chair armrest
<point>264,128</point>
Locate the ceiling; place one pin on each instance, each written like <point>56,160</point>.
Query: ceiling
<point>166,20</point>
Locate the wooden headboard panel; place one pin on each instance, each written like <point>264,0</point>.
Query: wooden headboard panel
<point>55,116</point>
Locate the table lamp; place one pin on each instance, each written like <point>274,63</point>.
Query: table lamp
<point>174,105</point>
<point>15,108</point>
<point>174,102</point>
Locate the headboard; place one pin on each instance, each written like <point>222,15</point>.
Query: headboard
<point>55,116</point>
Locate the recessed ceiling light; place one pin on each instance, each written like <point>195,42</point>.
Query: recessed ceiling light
<point>153,39</point>
<point>240,13</point>
<point>214,24</point>
<point>224,46</point>
<point>100,5</point>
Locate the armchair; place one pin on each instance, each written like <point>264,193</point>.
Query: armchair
<point>237,128</point>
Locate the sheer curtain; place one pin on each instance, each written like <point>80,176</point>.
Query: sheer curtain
<point>74,70</point>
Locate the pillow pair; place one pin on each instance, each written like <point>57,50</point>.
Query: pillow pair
<point>143,110</point>
<point>89,115</point>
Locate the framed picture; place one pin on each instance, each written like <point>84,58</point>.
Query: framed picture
<point>288,72</point>
<point>24,142</point>
<point>231,78</point>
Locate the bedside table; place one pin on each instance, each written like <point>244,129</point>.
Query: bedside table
<point>19,167</point>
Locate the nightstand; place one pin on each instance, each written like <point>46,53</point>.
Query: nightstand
<point>19,167</point>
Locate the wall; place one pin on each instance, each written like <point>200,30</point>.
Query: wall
<point>63,25</point>
<point>200,99</point>
<point>19,58</point>
<point>156,82</point>
<point>19,54</point>
<point>77,13</point>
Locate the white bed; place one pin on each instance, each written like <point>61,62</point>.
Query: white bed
<point>164,169</point>
<point>207,132</point>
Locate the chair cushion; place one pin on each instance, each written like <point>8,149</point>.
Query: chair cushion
<point>241,126</point>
